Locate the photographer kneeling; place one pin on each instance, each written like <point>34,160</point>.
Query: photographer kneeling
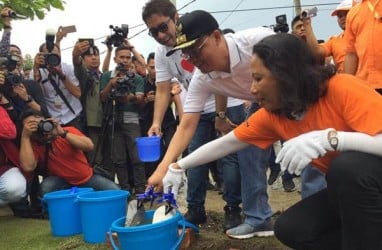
<point>59,151</point>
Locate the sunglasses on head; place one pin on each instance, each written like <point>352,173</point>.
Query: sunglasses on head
<point>163,27</point>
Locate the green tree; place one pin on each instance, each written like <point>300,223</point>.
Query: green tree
<point>32,8</point>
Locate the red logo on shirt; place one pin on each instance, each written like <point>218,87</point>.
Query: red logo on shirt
<point>186,65</point>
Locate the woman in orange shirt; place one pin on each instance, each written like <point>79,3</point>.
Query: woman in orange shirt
<point>327,121</point>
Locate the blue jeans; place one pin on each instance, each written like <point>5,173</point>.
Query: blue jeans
<point>55,183</point>
<point>196,188</point>
<point>253,163</point>
<point>312,181</point>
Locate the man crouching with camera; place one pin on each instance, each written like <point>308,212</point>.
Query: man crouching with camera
<point>58,151</point>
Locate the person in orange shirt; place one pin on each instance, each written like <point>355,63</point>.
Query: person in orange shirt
<point>327,121</point>
<point>363,37</point>
<point>336,45</point>
<point>59,152</point>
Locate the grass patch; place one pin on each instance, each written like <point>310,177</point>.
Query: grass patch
<point>18,233</point>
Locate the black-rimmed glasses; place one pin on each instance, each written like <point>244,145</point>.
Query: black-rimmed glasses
<point>163,27</point>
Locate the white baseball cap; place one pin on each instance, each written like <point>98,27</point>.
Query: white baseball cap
<point>344,5</point>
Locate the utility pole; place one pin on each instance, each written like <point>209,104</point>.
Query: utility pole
<point>297,6</point>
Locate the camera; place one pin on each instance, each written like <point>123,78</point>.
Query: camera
<point>50,58</point>
<point>9,63</point>
<point>309,12</point>
<point>119,36</point>
<point>281,24</point>
<point>45,127</point>
<point>125,85</point>
<point>13,79</point>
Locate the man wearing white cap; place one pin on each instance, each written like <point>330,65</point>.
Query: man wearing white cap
<point>335,46</point>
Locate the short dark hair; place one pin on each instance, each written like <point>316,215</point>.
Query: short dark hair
<point>150,56</point>
<point>162,7</point>
<point>122,47</point>
<point>295,20</point>
<point>301,79</point>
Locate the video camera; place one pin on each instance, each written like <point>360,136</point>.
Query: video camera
<point>9,63</point>
<point>281,24</point>
<point>45,127</point>
<point>119,36</point>
<point>124,85</point>
<point>51,59</point>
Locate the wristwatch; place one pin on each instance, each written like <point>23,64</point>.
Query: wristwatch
<point>333,139</point>
<point>221,115</point>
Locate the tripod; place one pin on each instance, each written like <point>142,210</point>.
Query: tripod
<point>109,116</point>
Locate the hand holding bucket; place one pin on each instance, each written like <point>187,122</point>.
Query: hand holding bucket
<point>148,148</point>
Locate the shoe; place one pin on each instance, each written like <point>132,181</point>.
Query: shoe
<point>195,216</point>
<point>274,174</point>
<point>289,185</point>
<point>246,231</point>
<point>232,217</point>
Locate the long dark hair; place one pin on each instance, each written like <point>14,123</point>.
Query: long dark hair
<point>301,79</point>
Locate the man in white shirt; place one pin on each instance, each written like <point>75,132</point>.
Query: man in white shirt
<point>231,77</point>
<point>160,17</point>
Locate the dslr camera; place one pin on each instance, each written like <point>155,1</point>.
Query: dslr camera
<point>119,35</point>
<point>281,24</point>
<point>50,58</point>
<point>45,127</point>
<point>9,63</point>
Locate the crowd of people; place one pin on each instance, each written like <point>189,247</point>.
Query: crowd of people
<point>220,100</point>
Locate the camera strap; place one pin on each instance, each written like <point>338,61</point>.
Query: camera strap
<point>59,92</point>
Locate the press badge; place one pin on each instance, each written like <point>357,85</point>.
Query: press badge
<point>58,102</point>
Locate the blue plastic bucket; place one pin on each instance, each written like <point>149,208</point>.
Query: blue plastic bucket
<point>64,212</point>
<point>159,236</point>
<point>98,211</point>
<point>148,148</point>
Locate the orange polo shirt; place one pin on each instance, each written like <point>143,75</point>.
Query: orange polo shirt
<point>348,105</point>
<point>336,47</point>
<point>363,36</point>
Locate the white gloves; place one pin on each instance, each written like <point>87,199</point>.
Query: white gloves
<point>173,179</point>
<point>298,152</point>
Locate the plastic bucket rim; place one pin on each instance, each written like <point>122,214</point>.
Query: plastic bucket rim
<point>145,227</point>
<point>122,194</point>
<point>55,194</point>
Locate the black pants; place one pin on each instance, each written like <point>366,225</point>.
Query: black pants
<point>345,215</point>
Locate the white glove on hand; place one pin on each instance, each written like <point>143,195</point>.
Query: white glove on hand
<point>173,179</point>
<point>298,152</point>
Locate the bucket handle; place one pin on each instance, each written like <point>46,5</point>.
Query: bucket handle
<point>177,243</point>
<point>115,247</point>
<point>181,236</point>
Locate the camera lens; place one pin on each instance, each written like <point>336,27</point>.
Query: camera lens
<point>53,60</point>
<point>45,126</point>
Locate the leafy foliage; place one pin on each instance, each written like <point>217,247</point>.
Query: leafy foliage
<point>32,8</point>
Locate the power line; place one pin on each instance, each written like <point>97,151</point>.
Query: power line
<point>230,14</point>
<point>270,8</point>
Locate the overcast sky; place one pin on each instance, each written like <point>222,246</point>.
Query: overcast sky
<point>93,17</point>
